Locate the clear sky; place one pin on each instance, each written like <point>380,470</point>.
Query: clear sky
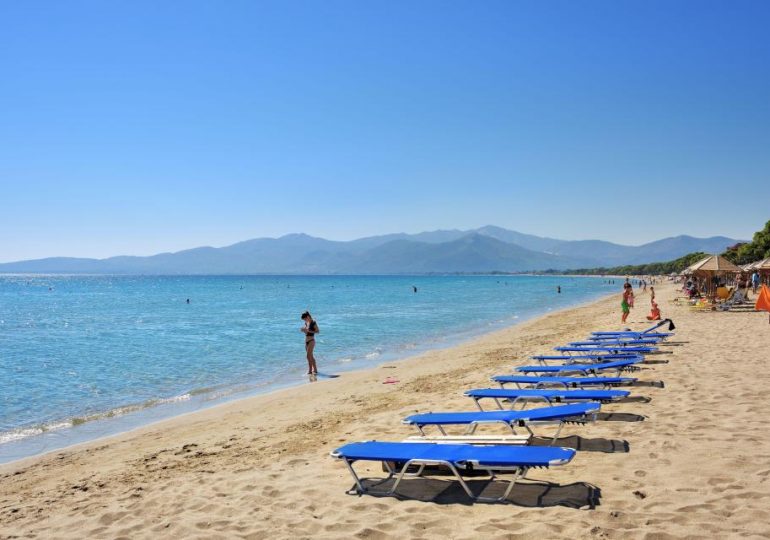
<point>135,127</point>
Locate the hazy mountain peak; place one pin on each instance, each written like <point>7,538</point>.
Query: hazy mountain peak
<point>488,248</point>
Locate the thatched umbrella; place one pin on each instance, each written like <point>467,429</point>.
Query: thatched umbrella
<point>709,268</point>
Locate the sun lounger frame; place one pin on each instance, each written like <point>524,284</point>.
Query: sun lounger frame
<point>469,436</point>
<point>519,473</point>
<point>523,400</point>
<point>544,383</point>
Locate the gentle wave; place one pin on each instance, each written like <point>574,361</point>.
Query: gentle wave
<point>31,431</point>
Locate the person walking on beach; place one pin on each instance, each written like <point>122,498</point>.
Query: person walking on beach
<point>310,330</point>
<point>754,282</point>
<point>652,294</point>
<point>625,304</point>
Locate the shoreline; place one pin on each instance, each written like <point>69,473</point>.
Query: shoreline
<point>663,467</point>
<point>69,433</point>
<point>278,393</point>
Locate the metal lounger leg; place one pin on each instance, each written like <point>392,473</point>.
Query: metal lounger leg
<point>519,475</point>
<point>460,479</point>
<point>359,486</point>
<point>558,432</point>
<point>401,476</point>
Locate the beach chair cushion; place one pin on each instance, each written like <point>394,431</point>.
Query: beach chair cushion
<point>459,455</point>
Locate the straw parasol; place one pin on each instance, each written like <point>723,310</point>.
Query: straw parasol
<point>710,267</point>
<point>713,263</point>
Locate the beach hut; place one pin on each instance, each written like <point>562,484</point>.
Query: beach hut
<point>708,271</point>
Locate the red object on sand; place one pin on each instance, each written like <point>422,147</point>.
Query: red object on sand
<point>763,300</point>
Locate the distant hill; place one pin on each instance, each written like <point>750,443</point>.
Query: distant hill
<point>660,250</point>
<point>486,249</point>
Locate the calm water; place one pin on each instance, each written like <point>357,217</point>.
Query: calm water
<point>76,350</point>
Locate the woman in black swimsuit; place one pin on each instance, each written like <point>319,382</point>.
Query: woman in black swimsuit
<point>310,330</point>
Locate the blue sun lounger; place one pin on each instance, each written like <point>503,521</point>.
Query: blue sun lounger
<point>607,348</point>
<point>397,457</point>
<point>578,413</point>
<point>655,337</point>
<point>586,358</point>
<point>641,333</point>
<point>565,382</point>
<point>584,369</point>
<point>615,342</point>
<point>658,337</point>
<point>549,396</point>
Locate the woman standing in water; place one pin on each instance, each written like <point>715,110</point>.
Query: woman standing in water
<point>310,330</point>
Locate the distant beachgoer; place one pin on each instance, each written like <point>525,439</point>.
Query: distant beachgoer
<point>188,300</point>
<point>754,282</point>
<point>558,289</point>
<point>652,294</point>
<point>414,288</point>
<point>624,304</point>
<point>310,330</point>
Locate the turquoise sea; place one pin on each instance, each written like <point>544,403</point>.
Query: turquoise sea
<point>87,356</point>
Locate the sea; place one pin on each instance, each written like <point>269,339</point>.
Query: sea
<point>82,357</point>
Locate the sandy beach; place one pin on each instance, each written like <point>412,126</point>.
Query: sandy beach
<point>692,462</point>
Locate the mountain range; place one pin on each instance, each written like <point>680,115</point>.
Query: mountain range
<point>486,249</point>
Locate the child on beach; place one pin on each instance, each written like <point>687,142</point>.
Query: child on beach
<point>310,330</point>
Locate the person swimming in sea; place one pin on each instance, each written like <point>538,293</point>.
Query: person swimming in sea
<point>310,330</point>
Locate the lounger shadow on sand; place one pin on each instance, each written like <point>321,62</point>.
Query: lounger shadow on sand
<point>620,417</point>
<point>649,384</point>
<point>530,493</point>
<point>581,444</point>
<point>634,399</point>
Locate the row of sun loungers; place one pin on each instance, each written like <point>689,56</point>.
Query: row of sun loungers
<point>571,391</point>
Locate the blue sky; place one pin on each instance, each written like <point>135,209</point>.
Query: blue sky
<point>137,127</point>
